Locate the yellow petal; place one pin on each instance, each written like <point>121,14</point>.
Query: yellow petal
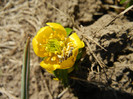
<point>50,65</point>
<point>38,49</point>
<point>76,41</point>
<point>43,34</point>
<point>56,79</point>
<point>58,28</point>
<point>68,63</point>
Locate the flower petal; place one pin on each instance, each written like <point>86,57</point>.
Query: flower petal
<point>48,66</point>
<point>76,41</point>
<point>67,63</point>
<point>70,61</point>
<point>53,65</point>
<point>38,49</point>
<point>58,28</point>
<point>43,34</point>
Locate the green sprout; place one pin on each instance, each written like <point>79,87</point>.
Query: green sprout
<point>130,2</point>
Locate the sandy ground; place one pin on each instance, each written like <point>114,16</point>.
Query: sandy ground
<point>20,18</point>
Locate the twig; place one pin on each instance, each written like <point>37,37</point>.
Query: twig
<point>102,65</point>
<point>3,91</point>
<point>36,86</point>
<point>67,15</point>
<point>14,9</point>
<point>62,93</point>
<point>116,7</point>
<point>42,81</point>
<point>89,38</point>
<point>99,62</point>
<point>89,82</point>
<point>6,47</point>
<point>8,5</point>
<point>86,37</point>
<point>119,15</point>
<point>46,86</point>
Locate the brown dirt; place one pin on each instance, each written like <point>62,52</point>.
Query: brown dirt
<point>20,18</point>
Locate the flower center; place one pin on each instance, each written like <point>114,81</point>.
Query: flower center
<point>62,49</point>
<point>53,46</point>
<point>66,52</point>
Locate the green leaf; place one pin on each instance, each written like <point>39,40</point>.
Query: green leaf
<point>129,4</point>
<point>26,71</point>
<point>62,75</point>
<point>43,58</point>
<point>79,54</point>
<point>122,1</point>
<point>68,30</point>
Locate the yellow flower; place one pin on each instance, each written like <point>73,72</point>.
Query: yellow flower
<point>60,51</point>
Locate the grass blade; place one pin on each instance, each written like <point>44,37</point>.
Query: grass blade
<point>25,71</point>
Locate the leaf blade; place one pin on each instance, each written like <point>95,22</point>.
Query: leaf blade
<point>68,30</point>
<point>26,71</point>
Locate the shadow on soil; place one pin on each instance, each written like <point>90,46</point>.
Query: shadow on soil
<point>84,89</point>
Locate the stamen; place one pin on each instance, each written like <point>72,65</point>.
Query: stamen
<point>61,43</point>
<point>59,56</point>
<point>50,54</point>
<point>65,57</point>
<point>53,58</point>
<point>60,61</point>
<point>56,52</point>
<point>69,53</point>
<point>66,52</point>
